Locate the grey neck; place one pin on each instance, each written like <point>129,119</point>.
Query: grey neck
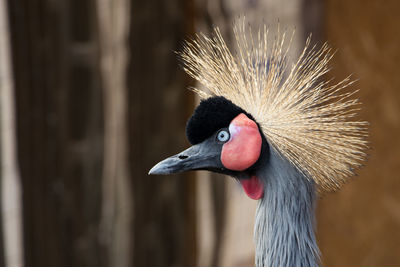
<point>284,226</point>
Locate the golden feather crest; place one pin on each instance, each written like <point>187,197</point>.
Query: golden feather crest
<point>309,121</point>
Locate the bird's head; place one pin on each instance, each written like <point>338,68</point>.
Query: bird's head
<point>254,96</point>
<point>226,139</point>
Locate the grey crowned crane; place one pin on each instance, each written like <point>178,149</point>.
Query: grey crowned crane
<point>282,131</point>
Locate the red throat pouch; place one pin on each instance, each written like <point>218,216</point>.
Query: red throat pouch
<point>253,187</point>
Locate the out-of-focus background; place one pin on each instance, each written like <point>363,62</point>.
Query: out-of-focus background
<point>92,96</point>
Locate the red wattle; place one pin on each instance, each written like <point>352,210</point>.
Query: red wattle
<point>253,187</point>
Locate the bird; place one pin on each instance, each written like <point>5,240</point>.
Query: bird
<point>285,133</point>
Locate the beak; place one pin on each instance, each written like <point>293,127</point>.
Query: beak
<point>203,156</point>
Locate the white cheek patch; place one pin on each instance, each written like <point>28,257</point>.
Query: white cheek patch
<point>233,130</point>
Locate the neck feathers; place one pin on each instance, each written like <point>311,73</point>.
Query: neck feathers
<point>284,228</point>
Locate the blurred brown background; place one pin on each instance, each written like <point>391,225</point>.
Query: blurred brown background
<point>360,225</point>
<point>92,96</point>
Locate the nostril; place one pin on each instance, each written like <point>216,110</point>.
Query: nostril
<point>182,157</point>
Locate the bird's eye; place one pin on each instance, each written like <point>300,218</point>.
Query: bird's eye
<point>223,136</point>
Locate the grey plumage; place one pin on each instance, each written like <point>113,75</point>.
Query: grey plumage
<point>284,226</point>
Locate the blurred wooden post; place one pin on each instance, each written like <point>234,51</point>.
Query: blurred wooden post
<point>11,250</point>
<point>164,232</point>
<point>116,222</point>
<point>59,130</point>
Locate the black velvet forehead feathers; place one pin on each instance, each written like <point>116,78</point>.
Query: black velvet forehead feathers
<point>211,115</point>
